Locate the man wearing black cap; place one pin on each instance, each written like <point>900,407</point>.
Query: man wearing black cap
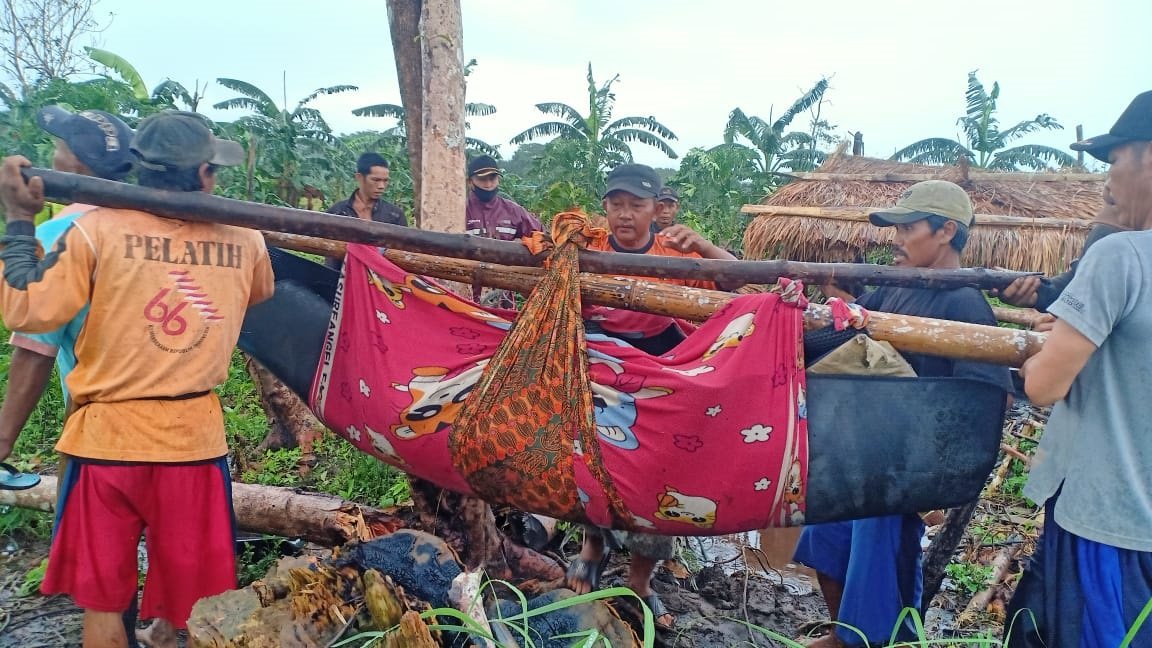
<point>93,143</point>
<point>630,204</point>
<point>669,200</point>
<point>1091,575</point>
<point>491,215</point>
<point>145,440</point>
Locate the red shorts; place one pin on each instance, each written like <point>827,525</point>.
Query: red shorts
<point>187,512</point>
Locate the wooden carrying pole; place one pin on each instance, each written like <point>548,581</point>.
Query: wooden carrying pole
<point>910,334</point>
<point>197,206</point>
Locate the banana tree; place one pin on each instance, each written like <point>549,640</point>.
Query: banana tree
<point>774,148</point>
<point>986,145</point>
<point>601,142</point>
<point>714,184</point>
<point>163,97</point>
<point>284,144</point>
<point>475,146</point>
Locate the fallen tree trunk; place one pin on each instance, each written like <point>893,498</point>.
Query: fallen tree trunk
<point>198,206</point>
<point>323,519</point>
<point>907,333</point>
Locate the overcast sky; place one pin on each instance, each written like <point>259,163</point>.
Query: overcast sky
<point>898,68</point>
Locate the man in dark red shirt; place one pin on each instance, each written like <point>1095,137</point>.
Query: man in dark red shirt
<point>493,216</point>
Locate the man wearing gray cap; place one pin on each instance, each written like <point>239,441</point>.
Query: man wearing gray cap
<point>1089,581</point>
<point>145,441</point>
<point>870,569</point>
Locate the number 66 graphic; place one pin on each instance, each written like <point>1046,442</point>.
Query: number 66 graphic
<point>169,319</point>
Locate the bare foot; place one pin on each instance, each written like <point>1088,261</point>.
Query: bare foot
<point>160,634</point>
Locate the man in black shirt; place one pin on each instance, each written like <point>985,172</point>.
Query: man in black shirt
<point>869,570</point>
<point>367,202</point>
<point>372,178</point>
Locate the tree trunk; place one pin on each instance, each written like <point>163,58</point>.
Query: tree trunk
<point>286,512</point>
<point>940,552</point>
<point>427,40</point>
<point>404,23</point>
<point>442,194</point>
<point>290,423</point>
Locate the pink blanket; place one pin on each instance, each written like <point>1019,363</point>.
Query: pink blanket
<point>708,439</point>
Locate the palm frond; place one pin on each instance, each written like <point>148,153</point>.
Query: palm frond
<point>330,90</point>
<point>796,139</point>
<point>260,99</point>
<point>644,137</point>
<point>737,124</point>
<point>1042,121</point>
<point>481,146</point>
<point>549,129</point>
<point>121,67</point>
<point>479,109</point>
<point>648,123</point>
<point>934,150</point>
<point>563,111</point>
<point>380,110</point>
<point>239,102</point>
<point>168,91</point>
<point>1031,156</point>
<point>803,103</point>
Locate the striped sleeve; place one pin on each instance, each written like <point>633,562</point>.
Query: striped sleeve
<point>38,293</point>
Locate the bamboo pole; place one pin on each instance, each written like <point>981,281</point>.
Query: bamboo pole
<point>905,332</point>
<point>197,206</point>
<point>860,214</point>
<point>945,173</point>
<point>1023,316</point>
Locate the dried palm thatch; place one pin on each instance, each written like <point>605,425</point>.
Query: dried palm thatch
<point>1048,214</point>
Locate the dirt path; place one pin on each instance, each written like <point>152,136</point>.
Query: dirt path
<point>33,621</point>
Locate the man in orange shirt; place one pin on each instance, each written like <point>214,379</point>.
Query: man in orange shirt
<point>145,443</point>
<point>630,203</point>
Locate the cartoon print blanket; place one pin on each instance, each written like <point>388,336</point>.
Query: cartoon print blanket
<point>707,439</point>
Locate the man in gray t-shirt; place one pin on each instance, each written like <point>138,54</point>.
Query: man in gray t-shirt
<point>1092,572</point>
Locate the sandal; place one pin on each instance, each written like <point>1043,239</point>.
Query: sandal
<point>658,610</point>
<point>12,479</point>
<point>586,571</point>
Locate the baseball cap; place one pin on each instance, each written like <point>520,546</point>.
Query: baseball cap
<point>636,179</point>
<point>1135,124</point>
<point>483,165</point>
<point>923,199</point>
<point>98,139</point>
<point>175,139</point>
<point>668,193</point>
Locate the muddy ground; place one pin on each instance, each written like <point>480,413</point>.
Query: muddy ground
<point>718,590</point>
<point>715,606</point>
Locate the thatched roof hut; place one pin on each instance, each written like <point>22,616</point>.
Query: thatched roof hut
<point>1025,221</point>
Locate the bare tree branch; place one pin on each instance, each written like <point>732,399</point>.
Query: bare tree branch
<point>42,39</point>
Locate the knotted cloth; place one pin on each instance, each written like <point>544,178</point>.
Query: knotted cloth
<point>522,422</point>
<point>709,438</point>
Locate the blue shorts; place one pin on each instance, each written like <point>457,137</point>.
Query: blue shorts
<point>877,560</point>
<point>1079,593</point>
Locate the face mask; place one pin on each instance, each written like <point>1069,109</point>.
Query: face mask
<point>485,195</point>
